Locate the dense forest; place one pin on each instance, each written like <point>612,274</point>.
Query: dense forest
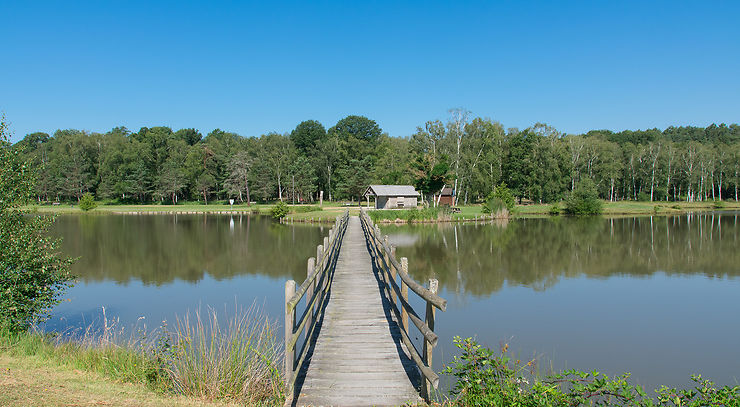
<point>472,154</point>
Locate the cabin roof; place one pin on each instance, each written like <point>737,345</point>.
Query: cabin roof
<point>446,191</point>
<point>391,190</point>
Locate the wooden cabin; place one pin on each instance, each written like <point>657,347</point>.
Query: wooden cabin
<point>445,197</point>
<point>392,196</point>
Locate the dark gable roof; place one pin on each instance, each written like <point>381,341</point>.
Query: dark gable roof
<point>391,190</point>
<point>446,191</point>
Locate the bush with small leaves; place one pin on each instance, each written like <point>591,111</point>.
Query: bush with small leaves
<point>584,200</point>
<point>280,210</point>
<point>87,202</point>
<point>32,273</point>
<point>485,378</point>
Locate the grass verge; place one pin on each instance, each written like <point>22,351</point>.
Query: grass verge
<point>202,359</point>
<point>38,381</point>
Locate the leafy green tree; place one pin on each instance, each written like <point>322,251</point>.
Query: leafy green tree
<point>190,136</point>
<point>87,202</point>
<point>306,134</point>
<point>518,166</point>
<point>358,139</point>
<point>123,172</point>
<point>240,171</point>
<point>584,200</point>
<point>302,179</point>
<point>430,177</point>
<point>32,274</point>
<point>274,156</point>
<point>326,158</point>
<point>392,165</point>
<point>353,178</point>
<point>279,210</point>
<point>358,136</point>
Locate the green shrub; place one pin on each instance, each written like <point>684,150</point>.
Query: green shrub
<point>493,204</point>
<point>584,200</point>
<point>643,197</point>
<point>87,202</point>
<point>279,210</point>
<point>32,274</point>
<point>485,378</point>
<point>500,193</point>
<point>555,209</point>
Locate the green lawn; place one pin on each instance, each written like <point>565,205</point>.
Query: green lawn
<point>636,208</point>
<point>331,210</point>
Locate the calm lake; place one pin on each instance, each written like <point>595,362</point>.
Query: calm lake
<point>655,296</point>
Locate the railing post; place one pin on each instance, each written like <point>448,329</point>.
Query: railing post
<point>326,242</point>
<point>319,267</point>
<point>289,326</point>
<point>392,272</point>
<point>405,294</point>
<point>428,349</point>
<point>310,293</point>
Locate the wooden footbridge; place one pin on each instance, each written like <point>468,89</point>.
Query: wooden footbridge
<point>350,344</point>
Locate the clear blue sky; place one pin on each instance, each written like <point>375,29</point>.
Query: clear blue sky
<point>252,68</point>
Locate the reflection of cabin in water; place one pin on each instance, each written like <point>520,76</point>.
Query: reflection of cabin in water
<point>445,197</point>
<point>392,196</point>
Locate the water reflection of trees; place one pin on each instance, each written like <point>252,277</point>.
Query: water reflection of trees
<point>537,253</point>
<point>163,248</point>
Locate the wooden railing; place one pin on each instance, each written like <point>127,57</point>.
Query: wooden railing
<point>314,289</point>
<point>398,294</point>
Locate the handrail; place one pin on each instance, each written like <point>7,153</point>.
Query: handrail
<point>419,289</point>
<point>384,255</point>
<point>315,289</point>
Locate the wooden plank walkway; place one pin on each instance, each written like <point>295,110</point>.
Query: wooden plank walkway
<point>356,357</point>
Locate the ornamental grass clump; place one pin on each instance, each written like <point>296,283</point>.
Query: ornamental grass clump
<point>239,359</point>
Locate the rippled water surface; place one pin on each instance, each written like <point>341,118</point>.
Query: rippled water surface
<point>655,296</point>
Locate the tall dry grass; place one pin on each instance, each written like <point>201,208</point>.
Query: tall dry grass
<point>238,359</point>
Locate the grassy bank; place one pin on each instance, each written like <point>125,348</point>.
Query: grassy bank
<point>199,360</point>
<point>639,208</point>
<point>622,208</point>
<point>327,213</point>
<point>32,380</point>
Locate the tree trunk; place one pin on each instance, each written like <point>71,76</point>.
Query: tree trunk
<point>328,173</point>
<point>249,199</point>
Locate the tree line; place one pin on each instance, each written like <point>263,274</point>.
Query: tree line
<point>471,154</point>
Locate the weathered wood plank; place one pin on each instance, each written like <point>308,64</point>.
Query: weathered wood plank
<point>357,357</point>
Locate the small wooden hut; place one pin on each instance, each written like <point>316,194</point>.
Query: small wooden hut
<point>445,197</point>
<point>392,196</point>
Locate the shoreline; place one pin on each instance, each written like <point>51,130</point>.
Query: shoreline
<point>470,213</point>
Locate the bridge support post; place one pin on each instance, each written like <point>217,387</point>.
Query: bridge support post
<point>319,255</point>
<point>310,293</point>
<point>392,271</point>
<point>289,327</point>
<point>428,348</point>
<point>405,294</point>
